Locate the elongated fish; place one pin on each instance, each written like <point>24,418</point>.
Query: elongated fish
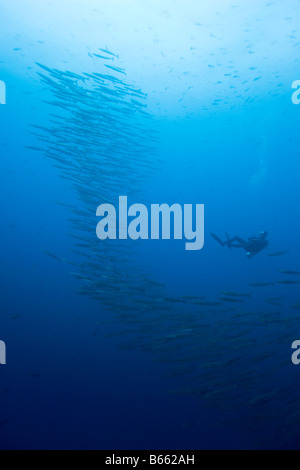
<point>102,57</point>
<point>106,51</point>
<point>228,299</point>
<point>204,303</point>
<point>262,284</point>
<point>278,253</point>
<point>235,294</point>
<point>116,69</point>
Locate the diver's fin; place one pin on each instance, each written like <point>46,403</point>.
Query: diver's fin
<point>218,239</point>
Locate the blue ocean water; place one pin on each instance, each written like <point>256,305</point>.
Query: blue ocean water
<point>141,344</point>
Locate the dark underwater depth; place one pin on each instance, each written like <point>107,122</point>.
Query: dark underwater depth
<point>142,344</point>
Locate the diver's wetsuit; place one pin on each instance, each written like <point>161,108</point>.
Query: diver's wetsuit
<point>253,245</point>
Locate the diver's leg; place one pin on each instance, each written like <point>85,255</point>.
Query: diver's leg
<point>218,240</point>
<point>239,240</point>
<point>228,241</point>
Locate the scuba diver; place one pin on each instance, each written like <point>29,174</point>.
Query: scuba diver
<point>252,246</point>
